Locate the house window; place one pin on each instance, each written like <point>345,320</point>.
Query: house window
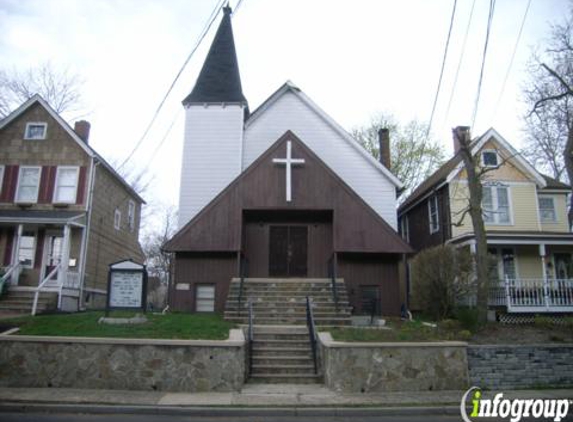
<point>35,130</point>
<point>495,205</point>
<point>131,215</point>
<point>1,177</point>
<point>489,158</point>
<point>27,250</point>
<point>205,298</point>
<point>433,213</point>
<point>117,219</point>
<point>66,185</point>
<point>405,228</point>
<point>547,209</point>
<point>28,185</point>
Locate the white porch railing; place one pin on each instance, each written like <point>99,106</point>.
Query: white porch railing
<point>538,295</point>
<point>11,271</point>
<point>42,285</point>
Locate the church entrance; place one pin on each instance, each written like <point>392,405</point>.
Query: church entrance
<point>284,244</point>
<point>288,246</point>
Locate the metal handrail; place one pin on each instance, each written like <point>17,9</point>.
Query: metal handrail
<point>332,275</point>
<point>41,286</point>
<point>243,273</point>
<point>251,336</point>
<point>311,332</point>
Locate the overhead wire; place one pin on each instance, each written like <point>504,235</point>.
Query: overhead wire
<point>452,19</point>
<point>483,60</point>
<point>512,58</point>
<point>206,28</point>
<point>453,91</point>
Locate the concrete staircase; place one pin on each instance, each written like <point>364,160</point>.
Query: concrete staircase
<point>283,301</point>
<point>282,351</point>
<point>17,300</point>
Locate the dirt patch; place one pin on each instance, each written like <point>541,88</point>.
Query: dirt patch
<point>522,334</point>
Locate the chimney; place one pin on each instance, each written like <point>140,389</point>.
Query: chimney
<point>460,132</point>
<point>82,129</point>
<point>384,141</point>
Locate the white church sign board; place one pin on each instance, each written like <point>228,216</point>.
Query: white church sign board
<point>127,286</point>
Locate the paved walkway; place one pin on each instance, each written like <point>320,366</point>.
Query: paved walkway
<point>253,395</point>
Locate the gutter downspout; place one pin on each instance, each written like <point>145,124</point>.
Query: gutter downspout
<point>86,233</point>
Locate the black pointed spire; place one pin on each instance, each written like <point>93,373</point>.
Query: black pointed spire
<point>219,80</point>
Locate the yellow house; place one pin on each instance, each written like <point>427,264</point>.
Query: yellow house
<point>525,216</point>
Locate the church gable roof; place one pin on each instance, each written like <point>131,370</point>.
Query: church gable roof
<point>357,227</point>
<point>219,80</point>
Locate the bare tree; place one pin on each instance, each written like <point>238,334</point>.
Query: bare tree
<point>413,154</point>
<point>60,88</point>
<point>550,93</point>
<point>159,261</point>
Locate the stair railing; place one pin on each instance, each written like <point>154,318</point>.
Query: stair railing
<point>311,332</point>
<point>250,336</point>
<point>10,270</point>
<point>332,275</point>
<point>243,273</point>
<point>41,286</point>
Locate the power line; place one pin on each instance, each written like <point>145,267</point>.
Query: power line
<point>443,66</point>
<point>460,62</point>
<point>212,18</point>
<point>512,58</point>
<point>156,150</point>
<point>484,54</point>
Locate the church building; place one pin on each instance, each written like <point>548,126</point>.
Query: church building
<point>281,193</point>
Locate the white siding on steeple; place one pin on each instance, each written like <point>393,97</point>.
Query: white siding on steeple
<point>289,112</point>
<point>211,155</point>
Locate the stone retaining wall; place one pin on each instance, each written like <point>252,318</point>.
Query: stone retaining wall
<point>126,364</point>
<point>378,367</point>
<point>521,366</point>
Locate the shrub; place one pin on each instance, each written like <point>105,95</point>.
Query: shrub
<point>441,277</point>
<point>468,318</point>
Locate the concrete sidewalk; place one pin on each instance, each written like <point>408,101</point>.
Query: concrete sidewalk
<point>252,395</point>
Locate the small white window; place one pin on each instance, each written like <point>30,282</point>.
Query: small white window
<point>35,130</point>
<point>205,298</point>
<point>66,185</point>
<point>1,177</point>
<point>489,158</point>
<point>27,250</point>
<point>131,215</point>
<point>433,214</point>
<point>28,185</point>
<point>405,228</point>
<point>547,209</point>
<point>117,219</point>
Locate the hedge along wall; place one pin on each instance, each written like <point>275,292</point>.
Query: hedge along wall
<point>521,366</point>
<point>378,367</point>
<point>125,364</point>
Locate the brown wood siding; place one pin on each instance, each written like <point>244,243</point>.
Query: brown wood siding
<point>372,270</point>
<point>357,227</point>
<point>419,222</point>
<point>199,269</point>
<point>9,242</point>
<point>39,255</point>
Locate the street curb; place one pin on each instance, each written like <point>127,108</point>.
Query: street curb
<point>230,411</point>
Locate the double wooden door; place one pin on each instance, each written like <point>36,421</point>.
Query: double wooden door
<point>288,251</point>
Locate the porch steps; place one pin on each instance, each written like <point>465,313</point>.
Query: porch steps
<point>282,354</point>
<point>23,300</point>
<point>283,301</point>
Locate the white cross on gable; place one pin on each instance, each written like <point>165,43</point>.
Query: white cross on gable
<point>289,162</point>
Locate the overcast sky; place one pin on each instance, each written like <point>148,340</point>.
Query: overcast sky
<point>353,58</point>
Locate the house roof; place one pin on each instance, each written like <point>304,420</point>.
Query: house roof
<point>289,86</point>
<point>451,167</point>
<point>219,80</point>
<point>44,217</point>
<point>83,145</point>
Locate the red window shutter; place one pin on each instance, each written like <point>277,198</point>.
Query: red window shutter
<point>81,194</point>
<point>39,249</point>
<point>51,183</point>
<point>43,191</point>
<point>9,184</point>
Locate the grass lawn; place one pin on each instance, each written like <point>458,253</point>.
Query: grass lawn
<point>401,331</point>
<point>85,324</point>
